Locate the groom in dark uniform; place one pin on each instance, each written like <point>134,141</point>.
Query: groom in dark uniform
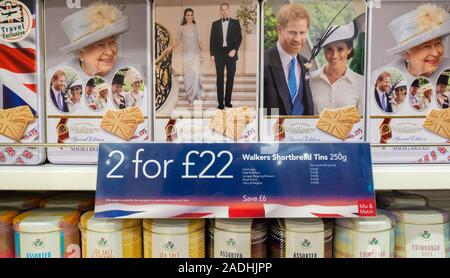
<point>225,40</point>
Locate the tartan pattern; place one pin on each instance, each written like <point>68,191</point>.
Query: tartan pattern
<point>196,237</point>
<point>71,240</point>
<point>343,243</point>
<point>6,241</point>
<point>400,241</point>
<point>132,242</point>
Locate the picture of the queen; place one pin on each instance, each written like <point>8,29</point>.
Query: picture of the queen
<point>93,34</point>
<point>419,37</point>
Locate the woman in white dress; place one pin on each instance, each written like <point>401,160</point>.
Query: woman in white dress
<point>335,85</point>
<point>189,35</point>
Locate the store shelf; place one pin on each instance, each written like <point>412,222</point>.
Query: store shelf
<point>76,177</point>
<point>411,177</point>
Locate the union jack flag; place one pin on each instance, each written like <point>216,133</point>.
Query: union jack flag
<point>124,210</point>
<point>20,161</point>
<point>27,154</point>
<point>10,151</point>
<point>18,76</point>
<point>437,155</point>
<point>433,155</point>
<point>442,150</point>
<point>11,13</point>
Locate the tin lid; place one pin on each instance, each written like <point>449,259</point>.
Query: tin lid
<point>396,199</point>
<point>173,226</point>
<point>78,201</point>
<point>7,215</point>
<point>441,195</point>
<point>45,220</point>
<point>447,209</point>
<point>305,225</point>
<point>421,215</point>
<point>20,200</point>
<point>382,222</point>
<point>240,225</point>
<point>89,222</point>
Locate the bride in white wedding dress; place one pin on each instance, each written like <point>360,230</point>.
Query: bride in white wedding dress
<point>188,34</point>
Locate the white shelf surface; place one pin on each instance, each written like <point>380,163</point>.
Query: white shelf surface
<point>49,177</point>
<point>412,177</point>
<point>83,178</point>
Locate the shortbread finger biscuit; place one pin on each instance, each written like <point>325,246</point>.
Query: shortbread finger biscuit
<point>438,122</point>
<point>339,122</point>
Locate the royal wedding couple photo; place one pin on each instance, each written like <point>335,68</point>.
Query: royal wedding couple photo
<point>294,83</point>
<point>407,52</point>
<point>303,75</point>
<point>207,53</point>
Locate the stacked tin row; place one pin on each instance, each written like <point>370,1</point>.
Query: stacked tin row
<point>405,227</point>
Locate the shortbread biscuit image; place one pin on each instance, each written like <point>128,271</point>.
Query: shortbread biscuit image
<point>24,113</point>
<point>14,121</point>
<point>244,113</point>
<point>135,112</point>
<point>339,122</point>
<point>231,122</point>
<point>438,122</point>
<point>122,123</point>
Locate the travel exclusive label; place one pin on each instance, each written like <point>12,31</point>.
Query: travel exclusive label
<point>234,180</point>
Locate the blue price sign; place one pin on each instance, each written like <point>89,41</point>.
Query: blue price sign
<point>234,180</point>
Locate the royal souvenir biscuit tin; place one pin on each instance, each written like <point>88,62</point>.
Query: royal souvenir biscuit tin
<point>237,238</point>
<point>421,232</point>
<point>96,76</point>
<point>47,233</point>
<point>301,238</point>
<point>408,81</point>
<point>205,67</point>
<point>313,86</point>
<point>365,237</point>
<point>21,82</point>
